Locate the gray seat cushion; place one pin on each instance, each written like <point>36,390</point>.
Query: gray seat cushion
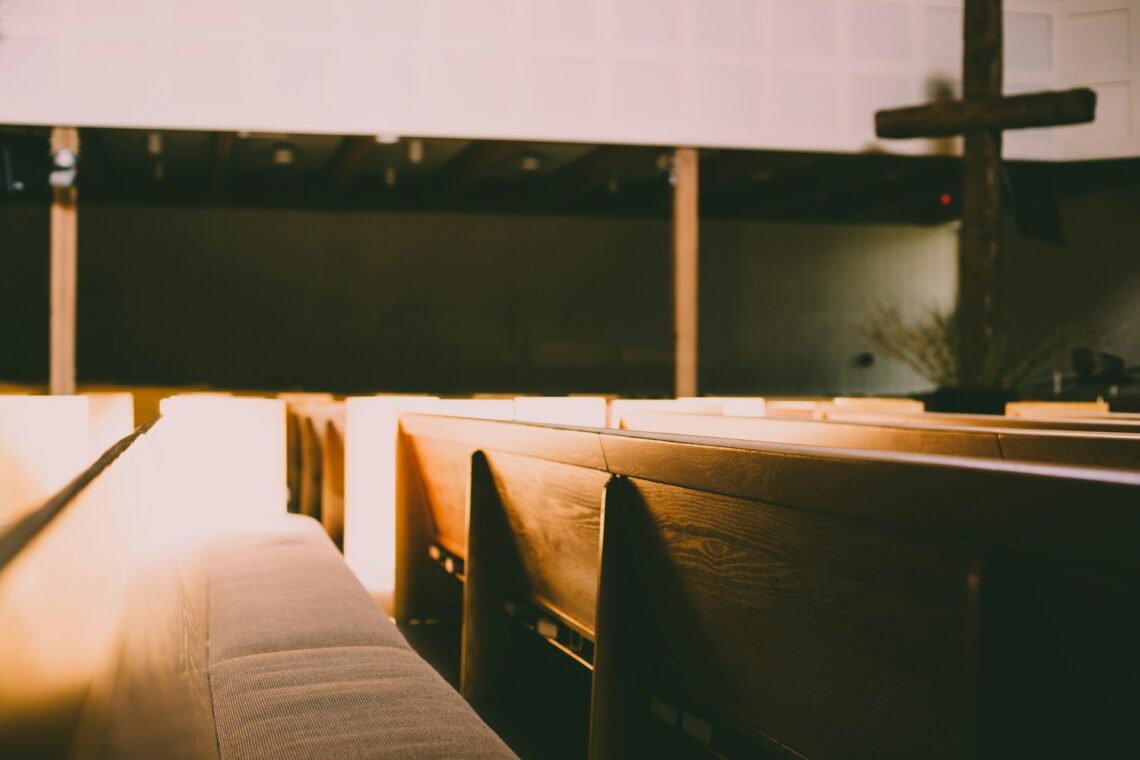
<point>345,703</point>
<point>289,590</point>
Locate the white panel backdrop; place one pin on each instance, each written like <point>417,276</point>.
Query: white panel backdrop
<point>792,74</point>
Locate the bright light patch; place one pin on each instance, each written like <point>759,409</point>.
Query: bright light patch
<point>237,448</point>
<point>371,425</point>
<point>736,406</point>
<point>587,411</point>
<point>43,445</point>
<point>111,418</point>
<point>624,406</point>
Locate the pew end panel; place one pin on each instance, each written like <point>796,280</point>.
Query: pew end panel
<point>748,629</point>
<point>432,484</point>
<point>332,481</point>
<point>426,585</point>
<point>533,558</point>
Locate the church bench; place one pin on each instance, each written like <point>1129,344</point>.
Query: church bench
<point>332,480</point>
<point>293,440</point>
<point>874,604</point>
<point>760,597</point>
<point>1062,447</point>
<point>251,643</point>
<point>1052,409</point>
<point>432,475</point>
<point>313,422</point>
<point>947,419</point>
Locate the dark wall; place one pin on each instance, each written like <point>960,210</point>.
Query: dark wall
<point>24,292</point>
<point>354,302</point>
<point>359,302</point>
<point>1091,278</point>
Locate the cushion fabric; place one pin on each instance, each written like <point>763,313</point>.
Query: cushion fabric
<point>346,703</point>
<point>289,590</point>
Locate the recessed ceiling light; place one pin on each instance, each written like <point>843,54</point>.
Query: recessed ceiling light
<point>284,154</point>
<point>416,150</point>
<point>387,138</point>
<point>531,161</point>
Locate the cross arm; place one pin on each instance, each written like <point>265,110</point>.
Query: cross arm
<point>955,117</point>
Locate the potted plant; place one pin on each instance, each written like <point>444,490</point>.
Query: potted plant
<point>967,377</point>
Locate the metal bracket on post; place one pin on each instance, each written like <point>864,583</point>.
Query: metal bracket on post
<point>556,633</point>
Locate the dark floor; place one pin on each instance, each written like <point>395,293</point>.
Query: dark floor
<point>545,713</point>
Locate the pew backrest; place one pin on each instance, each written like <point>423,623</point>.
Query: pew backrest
<point>946,419</point>
<point>755,597</point>
<point>1063,447</point>
<point>1055,408</point>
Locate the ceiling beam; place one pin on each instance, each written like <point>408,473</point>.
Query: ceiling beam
<point>345,163</point>
<point>727,169</point>
<point>582,176</point>
<point>920,184</point>
<point>221,153</point>
<point>95,166</point>
<point>463,172</point>
<point>831,176</point>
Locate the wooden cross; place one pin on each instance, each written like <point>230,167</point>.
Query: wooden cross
<point>980,117</point>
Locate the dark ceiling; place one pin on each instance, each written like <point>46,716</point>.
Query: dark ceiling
<point>410,174</point>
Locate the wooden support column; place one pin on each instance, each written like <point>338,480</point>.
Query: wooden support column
<point>64,255</point>
<point>685,268</point>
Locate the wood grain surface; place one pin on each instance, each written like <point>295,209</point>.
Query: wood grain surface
<point>554,514</point>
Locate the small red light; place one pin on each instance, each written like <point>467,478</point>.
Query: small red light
<point>946,199</point>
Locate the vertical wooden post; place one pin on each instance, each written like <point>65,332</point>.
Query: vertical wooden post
<point>978,250</point>
<point>64,252</point>
<point>685,268</point>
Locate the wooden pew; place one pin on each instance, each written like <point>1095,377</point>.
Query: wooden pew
<point>761,598</point>
<point>1092,410</point>
<point>293,441</point>
<point>988,420</point>
<point>432,477</point>
<point>817,408</point>
<point>332,479</point>
<point>1055,408</point>
<point>890,606</point>
<point>313,425</point>
<point>1065,447</point>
